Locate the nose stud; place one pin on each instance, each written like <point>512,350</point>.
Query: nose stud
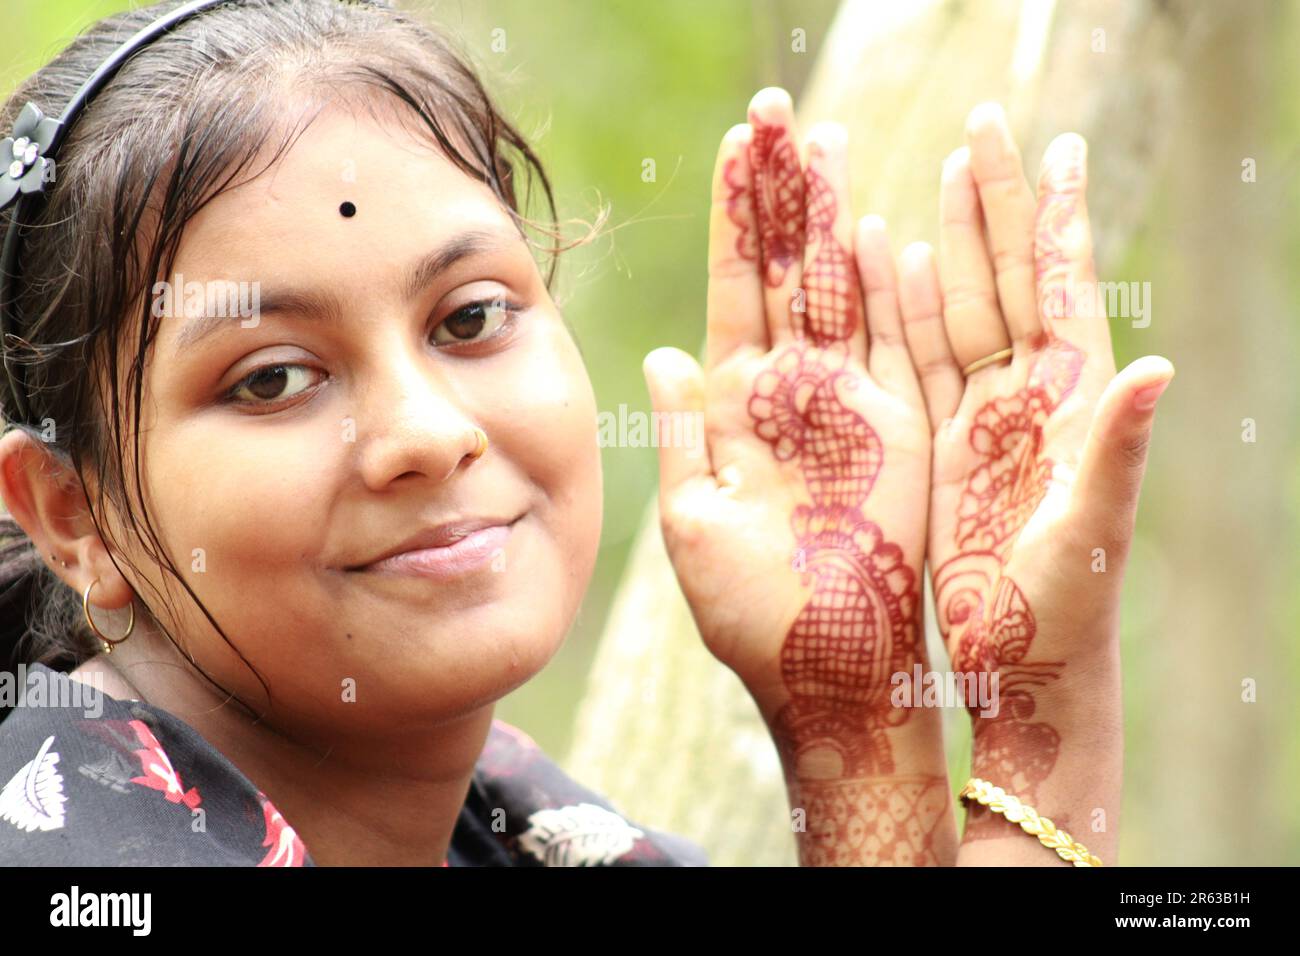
<point>481,447</point>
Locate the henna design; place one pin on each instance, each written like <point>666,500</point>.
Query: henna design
<point>797,411</point>
<point>983,614</point>
<point>830,276</point>
<point>859,627</point>
<point>1007,434</point>
<point>889,822</point>
<point>740,208</point>
<point>1057,219</point>
<point>778,203</point>
<point>794,210</point>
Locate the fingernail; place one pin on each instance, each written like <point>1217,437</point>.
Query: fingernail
<point>990,112</point>
<point>1146,398</point>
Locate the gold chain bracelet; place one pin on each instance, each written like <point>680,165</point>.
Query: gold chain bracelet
<point>999,801</point>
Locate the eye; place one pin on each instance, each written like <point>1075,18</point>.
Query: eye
<point>475,322</point>
<point>266,385</point>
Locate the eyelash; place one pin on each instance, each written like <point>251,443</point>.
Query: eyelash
<point>506,327</point>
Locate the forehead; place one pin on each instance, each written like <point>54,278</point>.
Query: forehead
<point>286,219</point>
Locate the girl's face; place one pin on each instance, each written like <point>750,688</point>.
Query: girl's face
<point>380,350</point>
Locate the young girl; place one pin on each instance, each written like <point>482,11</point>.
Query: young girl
<point>335,527</point>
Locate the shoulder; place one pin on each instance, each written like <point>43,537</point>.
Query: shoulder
<point>523,810</point>
<point>90,780</point>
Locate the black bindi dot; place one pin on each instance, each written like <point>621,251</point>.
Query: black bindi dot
<point>348,210</point>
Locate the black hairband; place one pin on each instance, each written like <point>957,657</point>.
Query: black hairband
<point>31,147</point>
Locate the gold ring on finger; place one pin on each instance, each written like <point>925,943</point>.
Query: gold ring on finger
<point>986,361</point>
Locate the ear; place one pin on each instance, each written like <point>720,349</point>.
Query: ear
<point>44,495</point>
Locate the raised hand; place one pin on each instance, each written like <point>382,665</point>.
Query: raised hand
<point>798,538</point>
<point>1039,450</point>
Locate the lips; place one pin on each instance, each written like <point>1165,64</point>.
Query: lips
<point>443,536</point>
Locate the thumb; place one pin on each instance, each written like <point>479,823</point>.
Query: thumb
<point>676,384</point>
<point>1115,454</point>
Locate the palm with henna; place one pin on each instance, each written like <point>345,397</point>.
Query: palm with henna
<point>1038,460</point>
<point>798,535</point>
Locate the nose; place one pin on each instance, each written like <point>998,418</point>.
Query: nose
<point>414,423</point>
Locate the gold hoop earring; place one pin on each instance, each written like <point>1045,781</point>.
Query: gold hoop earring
<point>108,643</point>
<point>482,444</point>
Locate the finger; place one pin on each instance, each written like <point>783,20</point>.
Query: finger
<point>971,315</point>
<point>677,386</point>
<point>735,299</point>
<point>1009,208</point>
<point>779,210</point>
<point>921,307</point>
<point>1114,455</point>
<point>1067,278</point>
<point>888,360</point>
<point>832,294</point>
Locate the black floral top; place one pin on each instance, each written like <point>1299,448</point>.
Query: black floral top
<point>123,783</point>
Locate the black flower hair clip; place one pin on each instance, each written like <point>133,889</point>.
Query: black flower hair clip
<point>28,169</point>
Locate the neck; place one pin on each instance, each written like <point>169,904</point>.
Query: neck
<point>366,800</point>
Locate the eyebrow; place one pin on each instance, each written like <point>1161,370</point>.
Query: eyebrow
<point>325,305</point>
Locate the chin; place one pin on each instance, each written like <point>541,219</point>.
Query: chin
<point>523,655</point>
<point>477,673</point>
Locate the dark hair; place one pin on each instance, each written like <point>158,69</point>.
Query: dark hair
<point>172,130</point>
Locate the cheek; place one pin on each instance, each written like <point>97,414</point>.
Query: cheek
<point>207,502</point>
<point>227,488</point>
<point>544,420</point>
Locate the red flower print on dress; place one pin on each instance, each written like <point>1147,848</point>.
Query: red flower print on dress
<point>158,771</point>
<point>285,849</point>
